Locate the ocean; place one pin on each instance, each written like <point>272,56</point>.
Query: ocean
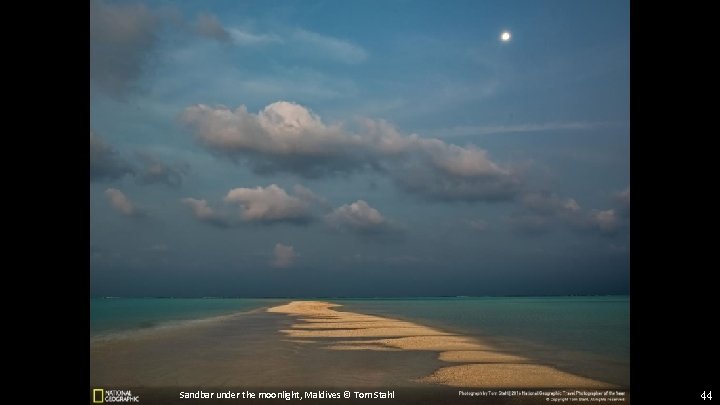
<point>588,336</point>
<point>120,315</point>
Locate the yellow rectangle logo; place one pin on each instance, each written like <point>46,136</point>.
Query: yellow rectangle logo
<point>98,396</point>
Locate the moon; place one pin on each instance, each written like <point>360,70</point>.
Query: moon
<point>505,36</point>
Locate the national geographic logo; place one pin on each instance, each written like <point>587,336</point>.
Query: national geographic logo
<point>101,395</point>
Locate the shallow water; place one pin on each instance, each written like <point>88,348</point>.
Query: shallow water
<point>234,342</point>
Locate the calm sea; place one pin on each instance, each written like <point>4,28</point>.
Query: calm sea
<point>586,335</point>
<point>109,315</point>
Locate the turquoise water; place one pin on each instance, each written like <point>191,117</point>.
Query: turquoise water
<point>597,324</point>
<point>108,315</point>
<point>588,335</point>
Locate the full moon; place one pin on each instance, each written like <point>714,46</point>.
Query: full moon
<point>505,36</point>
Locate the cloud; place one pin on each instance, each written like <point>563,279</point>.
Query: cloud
<point>281,129</point>
<point>284,256</point>
<point>520,128</point>
<point>544,210</point>
<point>263,205</point>
<point>202,211</point>
<point>245,38</point>
<point>299,43</point>
<point>124,36</point>
<point>105,162</point>
<point>288,137</point>
<point>358,217</point>
<point>308,197</point>
<point>121,38</point>
<point>330,47</point>
<point>200,208</point>
<point>121,203</point>
<point>155,171</point>
<point>549,204</point>
<point>269,204</point>
<point>610,221</point>
<point>272,204</point>
<point>605,221</point>
<point>207,25</point>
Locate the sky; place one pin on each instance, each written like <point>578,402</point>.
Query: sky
<point>359,148</point>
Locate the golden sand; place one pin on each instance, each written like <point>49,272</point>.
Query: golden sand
<point>363,332</point>
<point>362,346</point>
<point>317,319</point>
<point>348,317</point>
<point>480,356</point>
<point>355,325</point>
<point>510,376</point>
<point>305,308</point>
<point>435,343</point>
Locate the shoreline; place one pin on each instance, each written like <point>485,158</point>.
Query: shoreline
<point>470,362</point>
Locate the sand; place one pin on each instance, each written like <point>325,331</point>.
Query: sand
<point>354,325</point>
<point>487,368</point>
<point>480,356</point>
<point>510,376</point>
<point>363,332</point>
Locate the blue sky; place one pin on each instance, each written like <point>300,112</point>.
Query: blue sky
<point>360,148</point>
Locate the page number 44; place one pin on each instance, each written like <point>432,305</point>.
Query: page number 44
<point>706,395</point>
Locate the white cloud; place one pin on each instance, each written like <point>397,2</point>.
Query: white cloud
<point>605,221</point>
<point>330,47</point>
<point>281,128</point>
<point>286,136</point>
<point>250,39</point>
<point>268,204</point>
<point>203,212</point>
<point>121,203</point>
<point>299,43</point>
<point>463,162</point>
<point>284,256</point>
<point>200,208</point>
<point>359,217</point>
<point>571,205</point>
